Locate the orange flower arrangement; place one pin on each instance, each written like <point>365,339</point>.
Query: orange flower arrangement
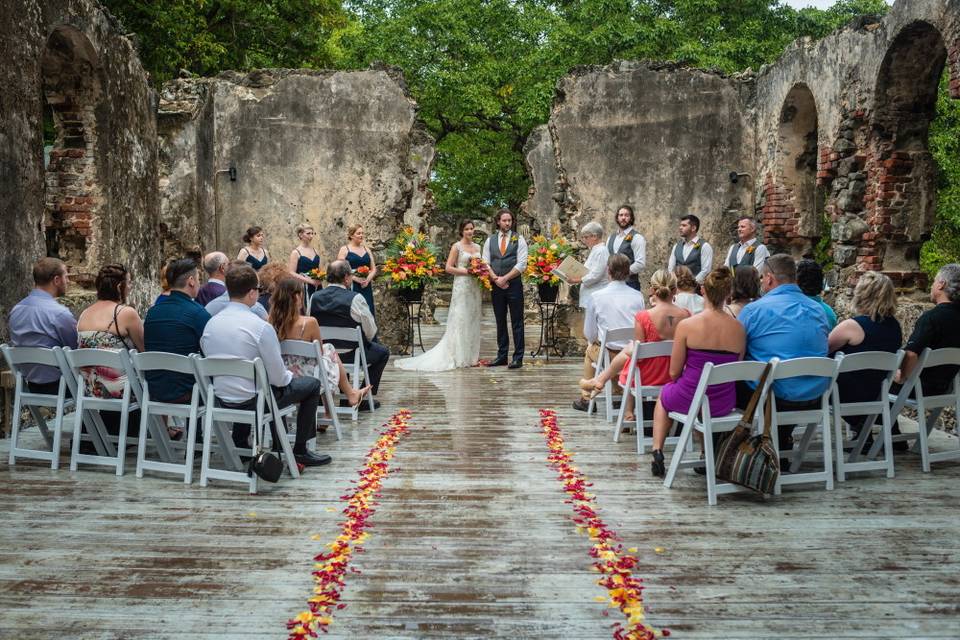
<point>330,568</point>
<point>544,255</point>
<point>481,271</point>
<point>362,270</point>
<point>411,261</point>
<point>624,590</point>
<point>317,274</point>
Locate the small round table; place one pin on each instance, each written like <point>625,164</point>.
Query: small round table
<point>548,330</point>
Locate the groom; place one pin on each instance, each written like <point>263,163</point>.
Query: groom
<point>506,253</point>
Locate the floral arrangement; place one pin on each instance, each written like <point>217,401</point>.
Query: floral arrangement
<point>317,274</point>
<point>481,270</point>
<point>330,569</point>
<point>624,590</point>
<point>362,271</point>
<point>545,254</point>
<point>411,261</point>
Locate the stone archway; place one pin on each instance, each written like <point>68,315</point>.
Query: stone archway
<point>72,90</point>
<point>793,202</point>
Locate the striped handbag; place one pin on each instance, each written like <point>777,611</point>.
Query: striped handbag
<point>750,460</point>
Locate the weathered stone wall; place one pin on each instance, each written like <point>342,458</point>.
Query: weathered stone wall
<point>328,148</point>
<point>97,200</point>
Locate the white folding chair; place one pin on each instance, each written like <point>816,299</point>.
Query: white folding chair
<point>345,340</point>
<point>923,403</point>
<point>115,447</point>
<point>313,351</point>
<point>811,419</point>
<point>217,418</point>
<point>699,419</point>
<point>622,335</point>
<point>865,361</point>
<point>151,410</point>
<point>16,358</point>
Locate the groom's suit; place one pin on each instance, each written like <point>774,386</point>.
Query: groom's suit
<point>513,256</point>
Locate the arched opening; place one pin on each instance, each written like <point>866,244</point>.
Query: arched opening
<point>901,194</point>
<point>71,93</point>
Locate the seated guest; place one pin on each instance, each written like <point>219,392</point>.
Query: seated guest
<point>654,325</point>
<point>746,289</point>
<point>711,336</point>
<point>270,275</point>
<point>936,329</point>
<point>215,264</point>
<point>810,281</point>
<point>339,305</point>
<point>785,324</point>
<point>174,325</point>
<point>612,307</point>
<point>236,332</point>
<point>290,324</point>
<point>220,303</point>
<point>687,296</point>
<point>596,264</point>
<point>109,323</point>
<point>873,329</point>
<point>40,321</point>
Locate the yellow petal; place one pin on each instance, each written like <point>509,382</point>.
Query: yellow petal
<point>659,549</point>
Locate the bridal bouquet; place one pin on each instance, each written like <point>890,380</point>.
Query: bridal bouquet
<point>544,255</point>
<point>479,269</point>
<point>411,261</point>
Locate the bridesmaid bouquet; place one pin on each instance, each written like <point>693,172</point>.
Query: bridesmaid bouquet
<point>544,255</point>
<point>317,274</point>
<point>479,269</point>
<point>362,271</point>
<point>411,261</point>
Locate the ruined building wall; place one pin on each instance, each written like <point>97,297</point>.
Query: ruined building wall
<point>97,200</point>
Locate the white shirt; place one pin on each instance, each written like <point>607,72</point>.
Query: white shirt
<point>360,311</point>
<point>596,277</point>
<point>521,249</point>
<point>639,245</point>
<point>760,254</point>
<point>236,332</point>
<point>689,301</point>
<point>706,257</point>
<point>220,303</point>
<point>615,306</point>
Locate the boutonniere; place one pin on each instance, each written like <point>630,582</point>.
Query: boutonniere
<point>696,245</point>
<point>629,238</point>
<point>513,238</point>
<point>751,249</point>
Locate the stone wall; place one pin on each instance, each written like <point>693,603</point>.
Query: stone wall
<point>97,200</point>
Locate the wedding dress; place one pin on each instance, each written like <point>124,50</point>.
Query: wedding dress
<point>460,344</point>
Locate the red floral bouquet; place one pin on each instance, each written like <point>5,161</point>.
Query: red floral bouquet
<point>481,270</point>
<point>362,271</point>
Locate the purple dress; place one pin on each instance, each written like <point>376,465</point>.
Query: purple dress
<point>677,395</point>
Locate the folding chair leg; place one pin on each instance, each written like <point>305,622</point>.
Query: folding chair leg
<point>41,424</point>
<point>142,442</point>
<point>711,469</point>
<point>205,456</point>
<point>827,448</point>
<point>888,441</point>
<point>191,446</point>
<point>15,429</point>
<point>839,429</point>
<point>678,453</point>
<point>924,425</point>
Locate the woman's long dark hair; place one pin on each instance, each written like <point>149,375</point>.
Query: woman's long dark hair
<point>285,306</point>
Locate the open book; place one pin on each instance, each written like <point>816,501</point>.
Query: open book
<point>570,268</point>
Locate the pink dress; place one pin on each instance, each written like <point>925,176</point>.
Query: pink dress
<point>653,371</point>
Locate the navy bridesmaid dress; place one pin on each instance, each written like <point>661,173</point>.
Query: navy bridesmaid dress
<point>355,263</point>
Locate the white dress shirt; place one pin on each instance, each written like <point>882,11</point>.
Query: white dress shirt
<point>220,303</point>
<point>596,277</point>
<point>236,332</point>
<point>360,311</point>
<point>639,245</point>
<point>615,306</point>
<point>706,257</point>
<point>521,249</point>
<point>760,254</point>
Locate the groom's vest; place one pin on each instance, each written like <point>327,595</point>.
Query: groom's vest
<point>331,307</point>
<point>501,264</point>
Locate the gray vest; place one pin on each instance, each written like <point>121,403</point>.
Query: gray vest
<point>693,260</point>
<point>501,264</point>
<point>626,249</point>
<point>748,257</point>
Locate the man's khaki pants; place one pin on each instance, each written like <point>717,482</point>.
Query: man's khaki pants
<point>590,362</point>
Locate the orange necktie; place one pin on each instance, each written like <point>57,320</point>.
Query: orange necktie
<point>503,244</point>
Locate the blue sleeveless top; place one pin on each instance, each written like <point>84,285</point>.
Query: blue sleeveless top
<point>305,264</point>
<point>257,264</point>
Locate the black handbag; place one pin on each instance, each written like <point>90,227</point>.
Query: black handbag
<point>266,465</point>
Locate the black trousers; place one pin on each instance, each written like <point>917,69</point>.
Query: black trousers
<point>510,299</point>
<point>377,357</point>
<point>302,390</point>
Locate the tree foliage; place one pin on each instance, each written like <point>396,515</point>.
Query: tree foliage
<point>944,245</point>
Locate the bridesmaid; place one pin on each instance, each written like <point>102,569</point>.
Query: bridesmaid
<point>254,252</point>
<point>304,259</point>
<point>359,256</point>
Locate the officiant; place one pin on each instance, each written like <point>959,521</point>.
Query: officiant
<point>596,277</point>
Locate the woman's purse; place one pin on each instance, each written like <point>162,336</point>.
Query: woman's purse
<point>266,465</point>
<point>746,460</point>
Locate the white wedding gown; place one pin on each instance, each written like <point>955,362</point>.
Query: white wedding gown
<point>460,344</point>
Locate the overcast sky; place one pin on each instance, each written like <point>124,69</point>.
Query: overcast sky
<point>820,4</point>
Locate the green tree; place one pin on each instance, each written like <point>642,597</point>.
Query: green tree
<point>944,244</point>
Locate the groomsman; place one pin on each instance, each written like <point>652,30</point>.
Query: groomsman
<point>692,251</point>
<point>506,253</point>
<point>630,243</point>
<point>747,251</point>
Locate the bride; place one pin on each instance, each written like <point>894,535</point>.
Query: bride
<point>460,344</point>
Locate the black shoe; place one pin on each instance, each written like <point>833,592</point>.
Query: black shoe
<point>311,459</point>
<point>516,364</point>
<point>365,405</point>
<point>657,468</point>
<point>581,405</point>
<point>901,445</point>
<point>499,362</point>
<point>785,465</point>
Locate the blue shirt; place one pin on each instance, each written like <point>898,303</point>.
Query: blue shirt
<point>828,310</point>
<point>786,324</point>
<point>40,321</point>
<point>173,325</point>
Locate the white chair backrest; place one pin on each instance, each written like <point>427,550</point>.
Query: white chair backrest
<point>207,368</point>
<point>81,358</point>
<point>160,361</point>
<point>341,334</point>
<point>653,349</point>
<point>870,361</point>
<point>816,367</point>
<point>621,334</point>
<point>300,348</point>
<point>745,371</point>
<point>16,356</point>
<point>945,356</point>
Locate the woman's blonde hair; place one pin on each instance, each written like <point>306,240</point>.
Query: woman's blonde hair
<point>874,296</point>
<point>717,287</point>
<point>352,229</point>
<point>301,228</point>
<point>664,285</point>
